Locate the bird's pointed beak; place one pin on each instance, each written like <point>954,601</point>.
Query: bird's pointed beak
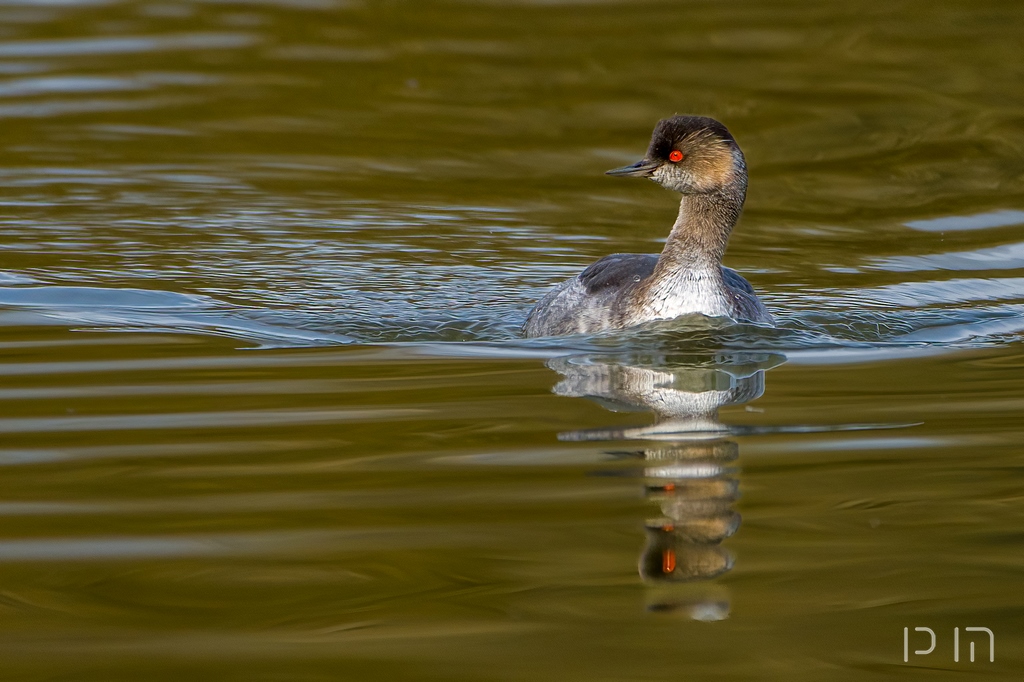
<point>640,169</point>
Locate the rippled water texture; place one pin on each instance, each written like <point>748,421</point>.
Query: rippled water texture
<point>264,408</point>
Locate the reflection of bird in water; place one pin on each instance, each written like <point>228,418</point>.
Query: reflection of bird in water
<point>695,491</point>
<point>685,398</point>
<point>689,473</point>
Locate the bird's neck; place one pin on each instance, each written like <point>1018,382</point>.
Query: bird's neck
<point>696,245</point>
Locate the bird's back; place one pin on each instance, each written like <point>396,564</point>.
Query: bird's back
<point>588,301</point>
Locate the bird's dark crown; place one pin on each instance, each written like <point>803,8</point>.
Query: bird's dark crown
<point>677,131</point>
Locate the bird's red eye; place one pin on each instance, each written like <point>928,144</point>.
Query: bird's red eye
<point>676,156</point>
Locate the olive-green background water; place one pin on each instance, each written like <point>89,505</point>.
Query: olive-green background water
<point>264,413</point>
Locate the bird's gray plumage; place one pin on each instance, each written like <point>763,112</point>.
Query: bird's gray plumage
<point>592,300</point>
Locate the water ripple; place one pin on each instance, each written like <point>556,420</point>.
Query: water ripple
<point>116,45</point>
<point>1003,257</point>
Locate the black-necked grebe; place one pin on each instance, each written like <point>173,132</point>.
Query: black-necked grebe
<point>698,157</point>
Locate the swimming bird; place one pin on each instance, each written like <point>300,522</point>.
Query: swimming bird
<point>697,157</point>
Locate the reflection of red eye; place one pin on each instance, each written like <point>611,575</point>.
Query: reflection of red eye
<point>675,156</point>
